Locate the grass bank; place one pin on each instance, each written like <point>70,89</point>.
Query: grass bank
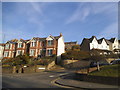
<point>108,71</point>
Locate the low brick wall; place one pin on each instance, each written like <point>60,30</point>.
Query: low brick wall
<point>7,70</point>
<point>97,79</point>
<point>19,69</point>
<point>86,70</point>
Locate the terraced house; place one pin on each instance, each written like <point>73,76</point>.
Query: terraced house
<point>111,45</point>
<point>35,47</point>
<point>1,51</point>
<point>10,49</point>
<point>21,47</point>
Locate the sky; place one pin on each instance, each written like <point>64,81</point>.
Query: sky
<point>75,20</point>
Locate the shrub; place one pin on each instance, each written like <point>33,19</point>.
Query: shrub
<point>74,54</point>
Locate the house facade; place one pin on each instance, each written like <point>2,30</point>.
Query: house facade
<point>9,49</point>
<point>21,47</point>
<point>1,51</point>
<point>99,44</point>
<point>48,46</point>
<point>35,47</point>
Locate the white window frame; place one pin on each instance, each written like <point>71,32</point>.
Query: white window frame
<point>32,52</point>
<point>6,54</point>
<point>20,45</point>
<point>49,53</point>
<point>33,44</point>
<point>7,46</point>
<point>50,42</point>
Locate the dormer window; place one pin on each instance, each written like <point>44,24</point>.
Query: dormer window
<point>50,42</point>
<point>7,46</point>
<point>33,44</point>
<point>20,45</point>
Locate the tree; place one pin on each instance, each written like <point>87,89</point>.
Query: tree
<point>21,59</point>
<point>96,58</point>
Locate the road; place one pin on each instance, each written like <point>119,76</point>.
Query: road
<point>31,80</point>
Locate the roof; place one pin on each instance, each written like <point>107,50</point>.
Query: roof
<point>2,44</point>
<point>91,39</point>
<point>108,41</point>
<point>75,42</point>
<point>100,41</point>
<point>44,38</point>
<point>112,40</point>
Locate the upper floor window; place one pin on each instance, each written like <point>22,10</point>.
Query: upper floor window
<point>50,42</point>
<point>7,46</point>
<point>33,44</point>
<point>20,45</point>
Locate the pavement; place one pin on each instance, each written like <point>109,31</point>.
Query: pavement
<point>70,82</point>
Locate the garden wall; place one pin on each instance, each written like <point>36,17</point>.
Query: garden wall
<point>97,79</point>
<point>19,69</point>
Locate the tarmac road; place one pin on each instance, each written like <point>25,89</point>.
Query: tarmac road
<point>31,80</point>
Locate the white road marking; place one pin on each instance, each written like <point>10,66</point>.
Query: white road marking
<point>51,76</point>
<point>63,73</point>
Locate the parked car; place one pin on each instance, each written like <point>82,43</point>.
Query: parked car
<point>94,64</point>
<point>115,61</point>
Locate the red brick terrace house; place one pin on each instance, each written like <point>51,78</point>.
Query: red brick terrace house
<point>22,47</point>
<point>10,49</point>
<point>35,47</point>
<point>48,46</point>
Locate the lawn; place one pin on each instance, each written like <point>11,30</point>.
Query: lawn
<point>109,71</point>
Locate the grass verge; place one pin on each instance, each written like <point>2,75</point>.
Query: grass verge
<point>108,71</point>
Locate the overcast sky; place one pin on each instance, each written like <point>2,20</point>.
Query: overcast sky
<point>74,20</point>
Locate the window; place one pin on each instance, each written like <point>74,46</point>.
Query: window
<point>92,45</point>
<point>32,52</point>
<point>19,52</point>
<point>33,44</point>
<point>41,52</point>
<point>7,46</point>
<point>6,54</point>
<point>20,45</point>
<point>50,42</point>
<point>50,52</point>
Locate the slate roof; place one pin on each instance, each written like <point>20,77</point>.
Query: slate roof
<point>43,39</point>
<point>2,44</point>
<point>89,40</point>
<point>75,42</point>
<point>112,40</point>
<point>100,41</point>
